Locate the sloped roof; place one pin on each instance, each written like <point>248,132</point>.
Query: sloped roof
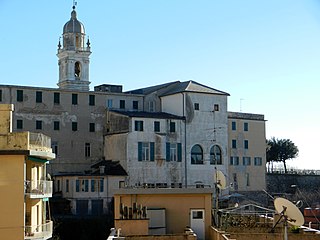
<point>178,87</point>
<point>111,168</point>
<point>148,90</point>
<point>158,115</point>
<point>192,86</point>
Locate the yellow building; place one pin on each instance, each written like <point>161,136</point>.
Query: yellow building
<point>24,186</point>
<point>163,211</point>
<point>247,151</point>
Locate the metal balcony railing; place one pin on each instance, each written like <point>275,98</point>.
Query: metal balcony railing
<point>42,231</point>
<point>38,188</point>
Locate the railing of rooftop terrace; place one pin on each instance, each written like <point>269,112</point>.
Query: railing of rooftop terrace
<point>38,188</point>
<point>294,171</point>
<point>39,139</point>
<point>42,231</point>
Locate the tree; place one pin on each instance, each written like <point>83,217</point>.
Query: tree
<point>281,150</point>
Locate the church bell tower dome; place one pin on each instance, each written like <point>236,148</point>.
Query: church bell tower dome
<point>74,56</point>
<point>73,25</point>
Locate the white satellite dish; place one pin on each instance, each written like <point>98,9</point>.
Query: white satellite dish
<point>290,211</point>
<point>220,180</point>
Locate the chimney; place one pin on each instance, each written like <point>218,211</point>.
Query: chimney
<point>6,118</point>
<point>102,169</point>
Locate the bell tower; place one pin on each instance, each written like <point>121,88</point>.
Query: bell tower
<point>74,56</point>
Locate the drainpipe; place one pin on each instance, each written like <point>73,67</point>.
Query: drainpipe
<point>185,143</point>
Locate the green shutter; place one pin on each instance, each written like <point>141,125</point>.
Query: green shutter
<point>151,151</point>
<point>168,152</point>
<point>139,151</point>
<point>179,152</point>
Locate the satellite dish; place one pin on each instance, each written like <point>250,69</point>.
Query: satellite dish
<point>290,211</point>
<point>220,180</point>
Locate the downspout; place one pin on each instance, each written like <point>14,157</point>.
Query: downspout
<point>185,143</point>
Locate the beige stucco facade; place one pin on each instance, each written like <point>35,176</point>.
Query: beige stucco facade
<point>23,185</point>
<point>247,151</point>
<point>178,204</point>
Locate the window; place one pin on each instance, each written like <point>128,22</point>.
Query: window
<point>93,185</point>
<point>196,155</point>
<point>247,180</point>
<point>19,124</point>
<point>234,161</point>
<point>151,106</point>
<point>145,151</point>
<point>74,99</point>
<point>258,161</point>
<point>101,185</point>
<point>233,126</point>
<point>245,126</point>
<point>138,125</point>
<point>109,103</point>
<point>135,105</point>
<point>19,95</point>
<point>234,143</point>
<point>56,98</point>
<point>0,95</point>
<point>156,126</point>
<point>172,126</point>
<point>87,149</point>
<point>38,97</point>
<point>38,124</point>
<point>246,161</point>
<point>97,185</point>
<point>215,155</point>
<point>196,106</point>
<point>216,107</point>
<point>235,182</point>
<point>74,126</point>
<point>58,185</point>
<point>54,146</point>
<point>77,69</point>
<point>67,185</point>
<point>77,185</point>
<point>92,100</point>
<point>122,104</point>
<point>246,144</point>
<point>92,127</point>
<point>82,185</point>
<point>56,125</point>
<point>173,152</point>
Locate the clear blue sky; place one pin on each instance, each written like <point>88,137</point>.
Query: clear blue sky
<point>265,52</point>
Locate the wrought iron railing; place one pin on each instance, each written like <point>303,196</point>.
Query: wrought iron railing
<point>43,231</point>
<point>41,188</point>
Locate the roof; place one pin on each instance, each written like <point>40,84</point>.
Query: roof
<point>111,168</point>
<point>73,25</point>
<point>178,87</point>
<point>158,115</point>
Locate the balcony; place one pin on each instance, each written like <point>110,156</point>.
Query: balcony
<point>38,189</point>
<point>43,231</point>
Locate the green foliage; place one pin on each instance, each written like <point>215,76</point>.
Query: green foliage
<point>280,150</point>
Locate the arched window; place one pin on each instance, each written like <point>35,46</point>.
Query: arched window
<point>215,155</point>
<point>196,155</point>
<point>77,70</point>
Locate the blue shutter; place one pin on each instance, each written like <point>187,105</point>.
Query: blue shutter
<point>77,185</point>
<point>179,152</point>
<point>151,151</point>
<point>168,152</point>
<point>139,151</point>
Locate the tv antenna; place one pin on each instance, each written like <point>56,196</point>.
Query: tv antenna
<point>289,212</point>
<point>220,183</point>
